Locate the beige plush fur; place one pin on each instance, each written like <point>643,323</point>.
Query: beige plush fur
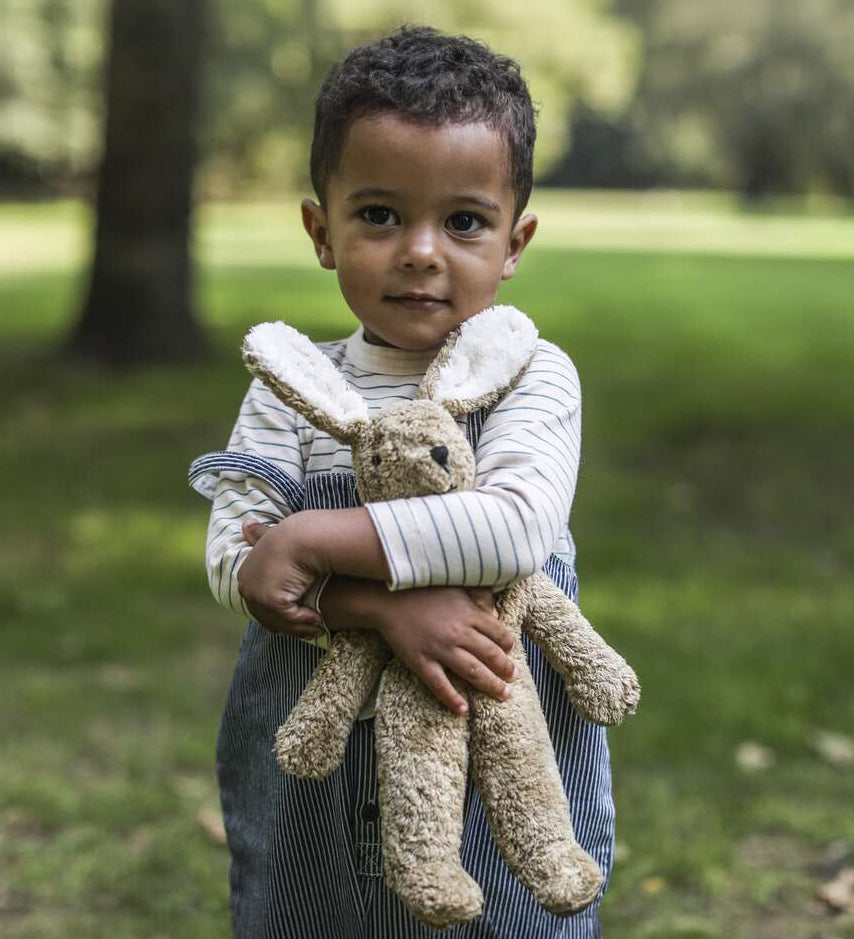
<point>423,749</point>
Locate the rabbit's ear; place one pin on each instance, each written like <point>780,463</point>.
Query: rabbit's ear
<point>301,376</point>
<point>481,361</point>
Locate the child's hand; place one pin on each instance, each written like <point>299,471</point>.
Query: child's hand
<point>432,629</point>
<point>272,580</point>
<point>436,628</point>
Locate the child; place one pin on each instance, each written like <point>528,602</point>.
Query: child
<point>421,161</point>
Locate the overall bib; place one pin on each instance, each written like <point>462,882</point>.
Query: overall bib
<point>306,855</point>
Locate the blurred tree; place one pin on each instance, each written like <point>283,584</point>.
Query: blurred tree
<point>757,97</point>
<point>769,95</point>
<point>270,56</point>
<point>266,59</point>
<point>139,304</point>
<point>568,49</point>
<point>48,91</point>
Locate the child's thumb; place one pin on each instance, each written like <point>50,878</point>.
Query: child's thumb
<point>254,531</point>
<point>303,620</point>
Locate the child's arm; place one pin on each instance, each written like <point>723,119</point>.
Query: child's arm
<point>507,526</point>
<point>243,485</point>
<point>430,629</point>
<point>500,532</point>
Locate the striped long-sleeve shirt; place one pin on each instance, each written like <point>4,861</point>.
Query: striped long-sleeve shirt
<point>501,531</point>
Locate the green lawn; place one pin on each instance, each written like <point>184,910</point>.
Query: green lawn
<point>713,537</point>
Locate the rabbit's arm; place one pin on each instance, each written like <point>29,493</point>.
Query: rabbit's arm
<point>507,526</point>
<point>312,741</point>
<point>601,684</point>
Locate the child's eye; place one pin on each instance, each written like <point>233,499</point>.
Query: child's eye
<point>379,215</point>
<point>464,222</point>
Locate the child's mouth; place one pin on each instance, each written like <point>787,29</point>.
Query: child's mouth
<point>418,302</point>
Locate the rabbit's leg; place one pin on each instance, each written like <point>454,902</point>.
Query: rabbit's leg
<point>422,756</point>
<point>515,771</point>
<point>312,740</point>
<point>602,686</point>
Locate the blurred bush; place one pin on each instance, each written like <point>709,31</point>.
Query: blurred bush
<point>754,97</point>
<point>264,60</point>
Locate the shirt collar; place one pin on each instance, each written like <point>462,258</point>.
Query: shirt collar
<point>386,359</point>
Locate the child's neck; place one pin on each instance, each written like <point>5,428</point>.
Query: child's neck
<point>373,340</point>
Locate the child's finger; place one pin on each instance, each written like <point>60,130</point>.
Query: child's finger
<point>275,622</point>
<point>286,617</point>
<point>305,632</point>
<point>476,674</point>
<point>493,629</point>
<point>433,675</point>
<point>300,616</point>
<point>490,654</point>
<point>484,598</point>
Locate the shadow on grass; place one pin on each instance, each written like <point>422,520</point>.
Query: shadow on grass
<point>713,543</point>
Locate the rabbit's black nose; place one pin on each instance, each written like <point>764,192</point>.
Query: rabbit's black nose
<point>440,455</point>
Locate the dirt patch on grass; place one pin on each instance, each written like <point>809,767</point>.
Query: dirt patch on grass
<point>782,876</point>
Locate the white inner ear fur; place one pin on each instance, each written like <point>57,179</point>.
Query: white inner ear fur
<point>493,347</point>
<point>294,361</point>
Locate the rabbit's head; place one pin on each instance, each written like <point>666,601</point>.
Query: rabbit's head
<point>414,448</point>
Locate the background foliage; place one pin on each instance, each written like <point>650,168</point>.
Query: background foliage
<point>715,546</point>
<point>715,538</point>
<point>753,97</point>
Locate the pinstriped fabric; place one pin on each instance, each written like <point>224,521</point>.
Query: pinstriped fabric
<point>306,856</point>
<point>200,475</point>
<point>514,517</point>
<point>527,459</point>
<point>306,859</point>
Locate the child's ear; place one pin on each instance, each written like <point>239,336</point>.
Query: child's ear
<point>314,222</point>
<point>523,232</point>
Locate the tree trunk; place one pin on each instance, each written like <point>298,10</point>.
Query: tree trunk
<point>140,302</point>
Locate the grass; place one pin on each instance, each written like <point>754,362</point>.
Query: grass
<point>714,547</point>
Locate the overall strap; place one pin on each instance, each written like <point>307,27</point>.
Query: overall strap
<point>474,424</point>
<point>204,473</point>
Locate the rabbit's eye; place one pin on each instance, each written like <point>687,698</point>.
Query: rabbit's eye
<point>376,459</point>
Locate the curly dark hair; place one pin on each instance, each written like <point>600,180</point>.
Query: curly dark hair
<point>423,75</point>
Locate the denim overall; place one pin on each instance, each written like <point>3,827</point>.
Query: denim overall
<point>306,855</point>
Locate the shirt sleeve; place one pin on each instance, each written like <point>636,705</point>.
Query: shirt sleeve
<point>505,528</point>
<point>260,476</point>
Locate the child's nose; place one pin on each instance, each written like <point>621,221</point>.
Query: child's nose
<point>420,250</point>
<point>440,455</point>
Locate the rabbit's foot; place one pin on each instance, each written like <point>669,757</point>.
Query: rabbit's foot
<point>562,876</point>
<point>605,693</point>
<point>309,751</point>
<point>439,893</point>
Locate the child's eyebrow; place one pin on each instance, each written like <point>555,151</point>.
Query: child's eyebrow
<point>479,200</point>
<point>377,192</point>
<point>369,192</point>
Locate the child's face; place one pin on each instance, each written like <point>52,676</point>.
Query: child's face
<point>418,226</point>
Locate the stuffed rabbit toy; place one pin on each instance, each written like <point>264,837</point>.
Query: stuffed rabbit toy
<point>416,448</point>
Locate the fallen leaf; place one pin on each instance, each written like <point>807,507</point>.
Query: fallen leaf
<point>622,852</point>
<point>836,854</point>
<point>753,757</point>
<point>115,677</point>
<point>835,748</point>
<point>652,885</point>
<point>838,893</point>
<point>210,821</point>
<point>140,840</point>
